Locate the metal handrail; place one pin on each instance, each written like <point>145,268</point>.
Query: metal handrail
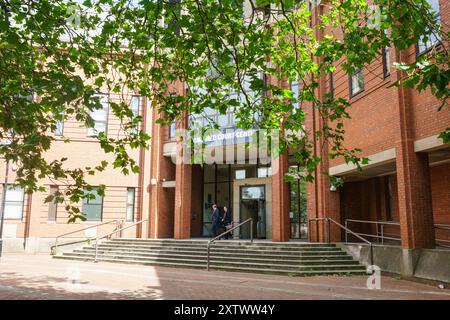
<point>327,219</point>
<point>374,222</point>
<point>224,233</point>
<point>54,248</point>
<point>114,232</point>
<point>383,236</point>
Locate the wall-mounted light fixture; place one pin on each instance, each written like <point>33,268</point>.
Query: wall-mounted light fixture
<point>335,183</point>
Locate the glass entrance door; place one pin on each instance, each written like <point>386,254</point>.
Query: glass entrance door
<point>253,205</point>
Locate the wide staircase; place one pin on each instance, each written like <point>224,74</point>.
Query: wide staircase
<point>293,258</point>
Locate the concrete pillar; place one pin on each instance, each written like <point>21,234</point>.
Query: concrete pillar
<point>280,199</point>
<point>183,187</point>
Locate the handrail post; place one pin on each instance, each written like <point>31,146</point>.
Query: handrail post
<point>207,256</point>
<point>328,229</point>
<point>371,254</point>
<point>251,231</point>
<point>346,233</point>
<point>382,234</point>
<point>96,248</point>
<point>309,229</point>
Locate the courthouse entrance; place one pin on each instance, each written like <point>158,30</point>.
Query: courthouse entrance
<point>253,205</point>
<point>228,184</point>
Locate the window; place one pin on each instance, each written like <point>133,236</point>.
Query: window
<point>130,204</point>
<point>264,172</point>
<point>60,125</point>
<point>428,42</point>
<point>93,208</point>
<point>331,84</point>
<point>295,91</point>
<point>100,117</point>
<point>175,13</point>
<point>13,203</point>
<point>357,82</point>
<point>52,206</point>
<point>240,174</point>
<point>172,129</point>
<point>135,109</point>
<point>386,62</point>
<point>386,59</point>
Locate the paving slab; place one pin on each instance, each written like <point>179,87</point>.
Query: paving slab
<point>41,277</point>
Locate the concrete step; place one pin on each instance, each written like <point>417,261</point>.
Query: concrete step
<point>280,258</point>
<point>328,256</point>
<point>170,242</point>
<point>221,248</point>
<point>213,257</point>
<point>245,263</point>
<point>348,271</point>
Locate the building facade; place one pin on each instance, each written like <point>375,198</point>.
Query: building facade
<point>406,183</point>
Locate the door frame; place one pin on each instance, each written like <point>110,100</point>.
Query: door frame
<point>265,206</point>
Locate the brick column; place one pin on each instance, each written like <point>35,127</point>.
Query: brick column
<point>183,187</point>
<point>413,179</point>
<point>321,201</point>
<point>280,200</point>
<point>161,199</point>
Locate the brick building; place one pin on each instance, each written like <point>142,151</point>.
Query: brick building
<point>406,181</point>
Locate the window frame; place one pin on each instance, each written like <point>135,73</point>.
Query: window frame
<point>61,125</point>
<point>135,112</point>
<point>428,47</point>
<point>94,133</point>
<point>130,204</point>
<point>52,204</point>
<point>352,93</point>
<point>296,104</point>
<point>331,83</point>
<point>101,204</point>
<point>386,51</point>
<point>6,202</point>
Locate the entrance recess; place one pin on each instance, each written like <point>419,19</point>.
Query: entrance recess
<point>253,205</point>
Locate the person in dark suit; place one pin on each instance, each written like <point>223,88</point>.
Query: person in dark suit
<point>215,220</point>
<point>226,221</point>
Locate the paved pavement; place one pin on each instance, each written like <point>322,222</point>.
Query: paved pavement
<point>41,277</point>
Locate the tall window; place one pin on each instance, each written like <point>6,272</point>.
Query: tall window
<point>295,90</point>
<point>386,62</point>
<point>426,43</point>
<point>14,203</point>
<point>135,109</point>
<point>172,130</point>
<point>93,208</point>
<point>331,84</point>
<point>100,117</point>
<point>130,204</point>
<point>357,82</point>
<point>385,52</point>
<point>52,206</point>
<point>60,126</point>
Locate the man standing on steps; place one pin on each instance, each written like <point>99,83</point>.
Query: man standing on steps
<point>215,220</point>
